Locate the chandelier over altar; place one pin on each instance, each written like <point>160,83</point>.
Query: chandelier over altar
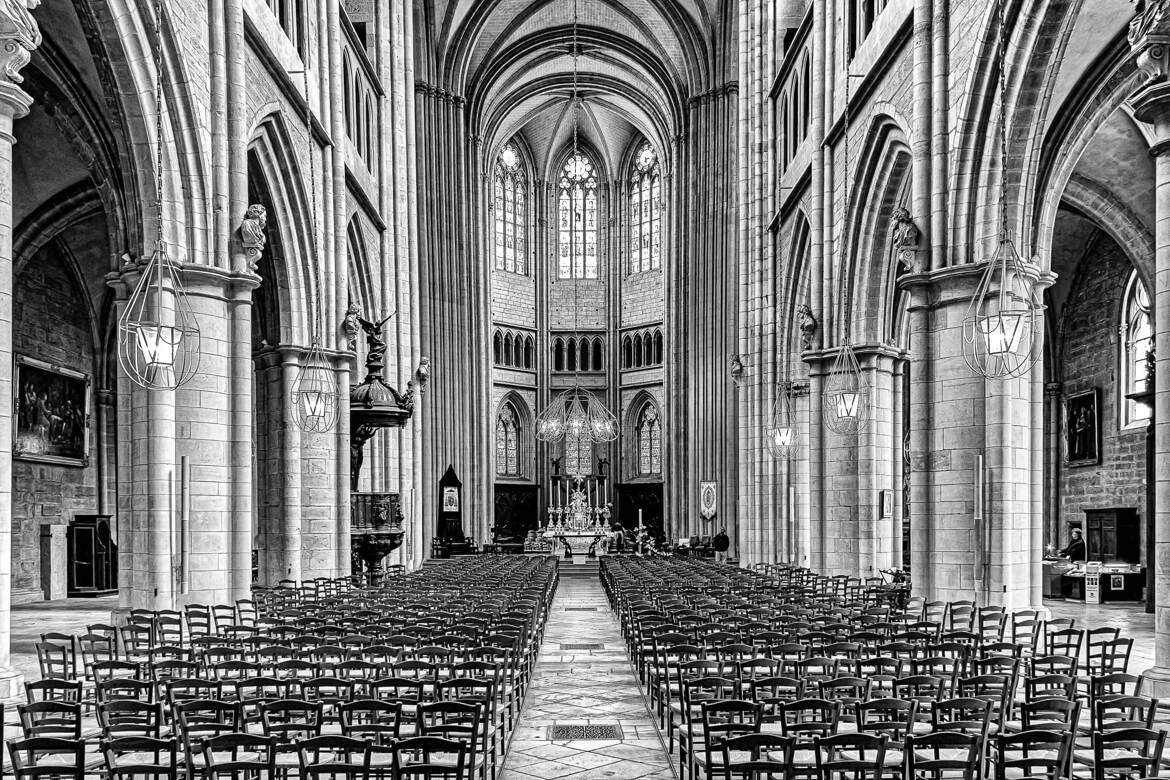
<point>579,413</point>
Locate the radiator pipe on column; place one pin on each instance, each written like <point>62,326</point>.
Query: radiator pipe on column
<point>184,524</point>
<point>981,541</point>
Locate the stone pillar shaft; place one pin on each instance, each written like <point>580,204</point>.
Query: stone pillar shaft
<point>14,103</point>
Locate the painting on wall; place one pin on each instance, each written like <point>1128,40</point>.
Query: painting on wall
<point>1082,430</point>
<point>52,413</point>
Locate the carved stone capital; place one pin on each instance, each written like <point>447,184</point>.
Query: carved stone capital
<point>19,35</point>
<point>1149,38</point>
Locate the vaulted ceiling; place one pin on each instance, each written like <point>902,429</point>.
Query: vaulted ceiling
<point>638,63</point>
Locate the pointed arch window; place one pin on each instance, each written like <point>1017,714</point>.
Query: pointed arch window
<point>510,200</point>
<point>649,442</point>
<point>645,212</point>
<point>1138,338</point>
<point>578,454</point>
<point>507,443</point>
<point>577,219</point>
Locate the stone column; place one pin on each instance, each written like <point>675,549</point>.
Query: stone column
<point>1149,38</point>
<point>959,420</point>
<point>18,37</point>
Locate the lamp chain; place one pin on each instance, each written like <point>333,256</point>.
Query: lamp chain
<point>158,120</point>
<point>314,321</point>
<point>1003,144</point>
<point>844,252</point>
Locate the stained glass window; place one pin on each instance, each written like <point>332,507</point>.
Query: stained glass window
<point>1139,339</point>
<point>578,454</point>
<point>577,219</point>
<point>649,442</point>
<point>509,201</point>
<point>507,443</point>
<point>645,212</point>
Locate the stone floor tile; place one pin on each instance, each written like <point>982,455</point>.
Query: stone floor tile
<point>585,688</point>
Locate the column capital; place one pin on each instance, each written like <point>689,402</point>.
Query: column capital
<point>19,35</point>
<point>1149,42</point>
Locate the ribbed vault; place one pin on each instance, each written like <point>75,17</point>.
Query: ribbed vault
<point>639,62</point>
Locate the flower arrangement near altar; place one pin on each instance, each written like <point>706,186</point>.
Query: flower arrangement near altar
<point>644,543</point>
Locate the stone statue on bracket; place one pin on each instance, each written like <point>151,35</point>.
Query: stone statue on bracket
<point>905,239</point>
<point>351,325</point>
<point>735,366</point>
<point>423,373</point>
<point>808,326</point>
<point>253,235</point>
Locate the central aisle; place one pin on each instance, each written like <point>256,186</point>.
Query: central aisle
<point>585,687</point>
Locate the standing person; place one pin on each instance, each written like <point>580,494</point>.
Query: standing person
<point>721,544</point>
<point>617,541</point>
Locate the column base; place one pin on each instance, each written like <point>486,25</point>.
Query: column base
<point>1156,682</point>
<point>11,685</point>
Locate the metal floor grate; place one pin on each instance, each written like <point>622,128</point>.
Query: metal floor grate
<point>597,731</point>
<point>582,646</point>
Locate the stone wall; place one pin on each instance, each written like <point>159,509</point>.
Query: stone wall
<point>51,323</point>
<point>1090,358</point>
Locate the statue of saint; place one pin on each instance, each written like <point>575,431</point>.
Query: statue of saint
<point>350,326</point>
<point>252,234</point>
<point>808,326</point>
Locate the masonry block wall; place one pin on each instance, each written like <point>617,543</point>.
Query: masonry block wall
<point>514,299</point>
<point>51,323</point>
<point>1091,353</point>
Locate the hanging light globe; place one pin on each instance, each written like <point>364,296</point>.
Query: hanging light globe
<point>781,433</point>
<point>846,393</point>
<point>158,336</point>
<point>579,413</point>
<point>314,399</point>
<point>1003,325</point>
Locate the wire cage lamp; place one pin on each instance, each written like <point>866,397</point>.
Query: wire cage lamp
<point>159,343</point>
<point>781,435</point>
<point>845,396</point>
<point>846,393</point>
<point>1003,326</point>
<point>315,404</point>
<point>158,335</point>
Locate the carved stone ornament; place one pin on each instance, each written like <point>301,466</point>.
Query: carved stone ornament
<point>252,234</point>
<point>735,366</point>
<point>423,373</point>
<point>808,326</point>
<point>351,325</point>
<point>1149,38</point>
<point>19,35</point>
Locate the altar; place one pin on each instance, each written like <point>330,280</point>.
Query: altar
<point>578,515</point>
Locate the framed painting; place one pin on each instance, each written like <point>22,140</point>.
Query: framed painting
<point>450,499</point>
<point>52,413</point>
<point>1082,429</point>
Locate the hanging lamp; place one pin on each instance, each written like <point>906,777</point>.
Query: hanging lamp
<point>781,434</point>
<point>158,335</point>
<point>846,393</point>
<point>314,402</point>
<point>1004,324</point>
<point>576,411</point>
